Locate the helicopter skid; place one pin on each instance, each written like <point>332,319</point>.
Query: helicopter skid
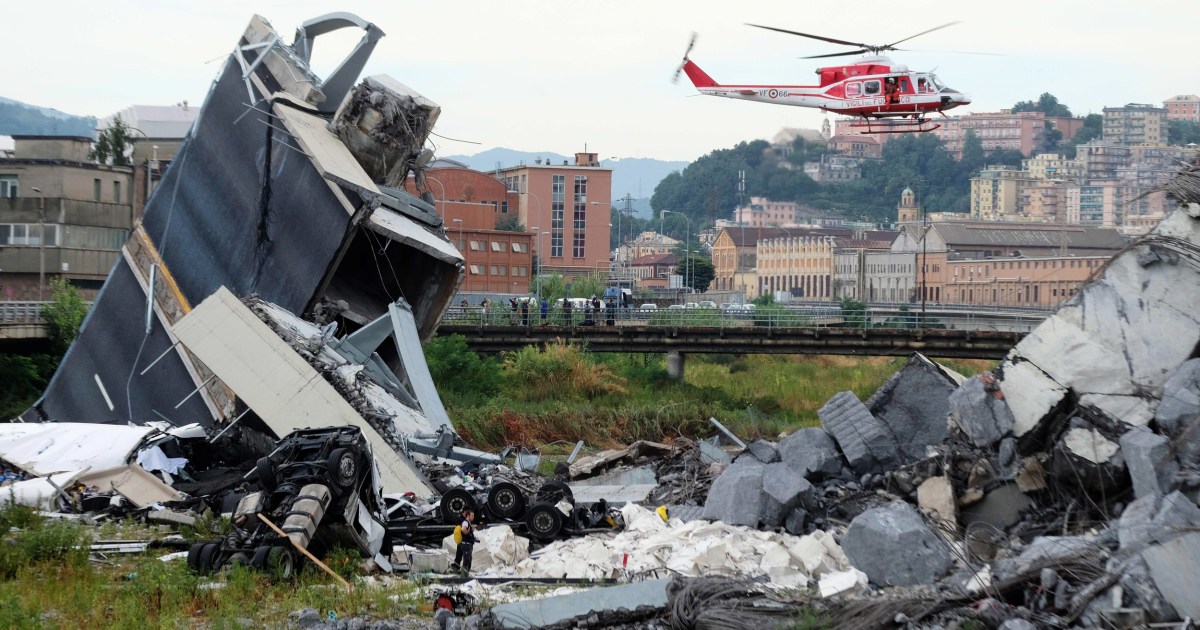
<point>882,126</point>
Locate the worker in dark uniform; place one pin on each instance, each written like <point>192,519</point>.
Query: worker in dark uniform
<point>466,547</point>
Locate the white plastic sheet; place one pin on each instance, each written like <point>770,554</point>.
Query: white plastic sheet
<point>44,448</point>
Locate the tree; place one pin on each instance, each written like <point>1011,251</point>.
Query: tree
<point>699,272</point>
<point>1183,132</point>
<point>113,144</point>
<point>509,223</point>
<point>1047,103</point>
<point>1093,127</point>
<point>64,313</point>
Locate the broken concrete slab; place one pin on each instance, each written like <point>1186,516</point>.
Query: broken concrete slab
<point>537,613</point>
<point>1178,415</point>
<point>914,404</point>
<point>866,442</point>
<point>1136,523</point>
<point>1032,395</point>
<point>171,517</point>
<point>894,547</point>
<point>845,582</point>
<point>812,452</point>
<point>736,497</point>
<point>134,483</point>
<point>1049,551</point>
<point>978,408</point>
<point>712,454</point>
<point>1087,459</point>
<point>763,451</point>
<point>1135,411</point>
<point>1176,514</point>
<point>1151,463</point>
<point>1175,566</point>
<point>784,489</point>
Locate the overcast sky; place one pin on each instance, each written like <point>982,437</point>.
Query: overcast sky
<point>552,75</point>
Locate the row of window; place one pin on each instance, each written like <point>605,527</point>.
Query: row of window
<point>56,235</point>
<point>516,271</point>
<point>10,189</point>
<point>497,246</point>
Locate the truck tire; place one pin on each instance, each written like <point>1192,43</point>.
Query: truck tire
<point>506,501</point>
<point>343,468</point>
<point>209,558</point>
<point>280,562</point>
<point>544,522</point>
<point>554,491</point>
<point>266,474</point>
<point>454,503</point>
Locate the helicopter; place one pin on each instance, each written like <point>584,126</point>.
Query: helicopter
<point>885,97</point>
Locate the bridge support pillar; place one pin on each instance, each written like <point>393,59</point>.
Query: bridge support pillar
<point>675,363</point>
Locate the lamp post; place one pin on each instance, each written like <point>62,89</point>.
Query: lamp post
<point>687,246</point>
<point>149,162</point>
<point>435,180</point>
<point>538,270</point>
<point>41,243</point>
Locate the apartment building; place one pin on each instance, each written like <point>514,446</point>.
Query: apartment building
<point>1022,131</point>
<point>762,212</point>
<point>572,202</point>
<point>1185,107</point>
<point>1135,124</point>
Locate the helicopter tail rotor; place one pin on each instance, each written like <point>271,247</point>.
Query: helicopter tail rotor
<point>678,70</point>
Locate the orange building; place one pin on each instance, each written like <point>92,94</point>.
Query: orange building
<point>570,202</point>
<point>471,205</point>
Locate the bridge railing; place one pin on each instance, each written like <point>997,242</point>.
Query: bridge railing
<point>743,317</point>
<point>21,312</point>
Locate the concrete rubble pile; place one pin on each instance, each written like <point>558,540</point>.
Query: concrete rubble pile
<point>1060,488</point>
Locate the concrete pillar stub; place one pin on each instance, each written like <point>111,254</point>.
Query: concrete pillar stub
<point>675,363</point>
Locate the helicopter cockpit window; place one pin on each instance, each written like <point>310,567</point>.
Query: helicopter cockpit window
<point>853,90</point>
<point>870,87</point>
<point>937,85</point>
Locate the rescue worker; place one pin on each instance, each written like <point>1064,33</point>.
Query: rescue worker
<point>462,554</point>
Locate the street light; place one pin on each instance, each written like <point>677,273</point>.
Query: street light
<point>687,246</point>
<point>41,243</point>
<point>435,180</point>
<point>148,163</point>
<point>538,270</point>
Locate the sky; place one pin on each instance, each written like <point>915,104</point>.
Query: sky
<point>559,75</point>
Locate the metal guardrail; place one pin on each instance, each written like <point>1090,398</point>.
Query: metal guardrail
<point>769,318</point>
<point>21,312</point>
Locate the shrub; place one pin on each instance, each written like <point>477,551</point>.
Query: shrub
<point>455,368</point>
<point>560,371</point>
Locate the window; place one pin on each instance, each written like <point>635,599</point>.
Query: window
<point>476,246</point>
<point>476,270</point>
<point>504,207</point>
<point>96,190</point>
<point>8,187</point>
<point>870,87</point>
<point>520,248</point>
<point>116,191</point>
<point>558,204</point>
<point>853,90</point>
<point>580,224</point>
<point>497,246</point>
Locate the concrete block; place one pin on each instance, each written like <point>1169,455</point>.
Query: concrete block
<point>1135,411</point>
<point>712,454</point>
<point>914,403</point>
<point>1047,549</point>
<point>1017,624</point>
<point>1031,395</point>
<point>537,613</point>
<point>1178,415</point>
<point>813,453</point>
<point>1151,464</point>
<point>894,547</point>
<point>1175,567</point>
<point>171,517</point>
<point>784,489</point>
<point>978,408</point>
<point>794,524</point>
<point>935,495</point>
<point>736,497</point>
<point>763,451</point>
<point>1136,523</point>
<point>866,442</point>
<point>1001,508</point>
<point>1176,514</point>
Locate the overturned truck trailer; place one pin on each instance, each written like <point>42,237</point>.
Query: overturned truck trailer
<point>288,187</point>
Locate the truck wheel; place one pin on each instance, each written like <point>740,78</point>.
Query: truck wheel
<point>454,503</point>
<point>259,560</point>
<point>505,500</point>
<point>342,468</point>
<point>280,563</point>
<point>554,491</point>
<point>193,557</point>
<point>209,558</point>
<point>266,474</point>
<point>544,522</point>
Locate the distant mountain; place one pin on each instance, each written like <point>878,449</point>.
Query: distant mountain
<point>17,118</point>
<point>633,176</point>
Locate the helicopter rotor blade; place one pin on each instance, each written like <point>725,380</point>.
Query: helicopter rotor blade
<point>951,52</point>
<point>691,43</point>
<point>892,45</point>
<point>824,39</point>
<point>841,54</point>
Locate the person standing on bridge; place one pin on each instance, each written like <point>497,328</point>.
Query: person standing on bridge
<point>545,312</point>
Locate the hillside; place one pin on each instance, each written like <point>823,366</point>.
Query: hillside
<point>17,118</point>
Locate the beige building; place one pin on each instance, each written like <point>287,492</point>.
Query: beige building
<point>1052,166</point>
<point>995,192</point>
<point>868,271</point>
<point>1021,131</point>
<point>1135,124</point>
<point>61,215</point>
<point>734,257</point>
<point>762,212</point>
<point>646,244</point>
<point>1184,107</point>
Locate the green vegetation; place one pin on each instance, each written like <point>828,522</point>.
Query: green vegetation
<point>49,583</point>
<point>1183,132</point>
<point>112,144</point>
<point>564,393</point>
<point>25,377</point>
<point>698,270</point>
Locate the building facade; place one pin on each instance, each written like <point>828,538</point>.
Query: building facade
<point>472,206</point>
<point>734,255</point>
<point>856,145</point>
<point>1135,124</point>
<point>653,270</point>
<point>1021,131</point>
<point>763,213</point>
<point>1185,107</point>
<point>61,215</point>
<point>570,202</point>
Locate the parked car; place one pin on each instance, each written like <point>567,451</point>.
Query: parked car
<point>708,304</point>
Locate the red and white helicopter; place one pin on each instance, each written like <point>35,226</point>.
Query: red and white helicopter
<point>887,97</point>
